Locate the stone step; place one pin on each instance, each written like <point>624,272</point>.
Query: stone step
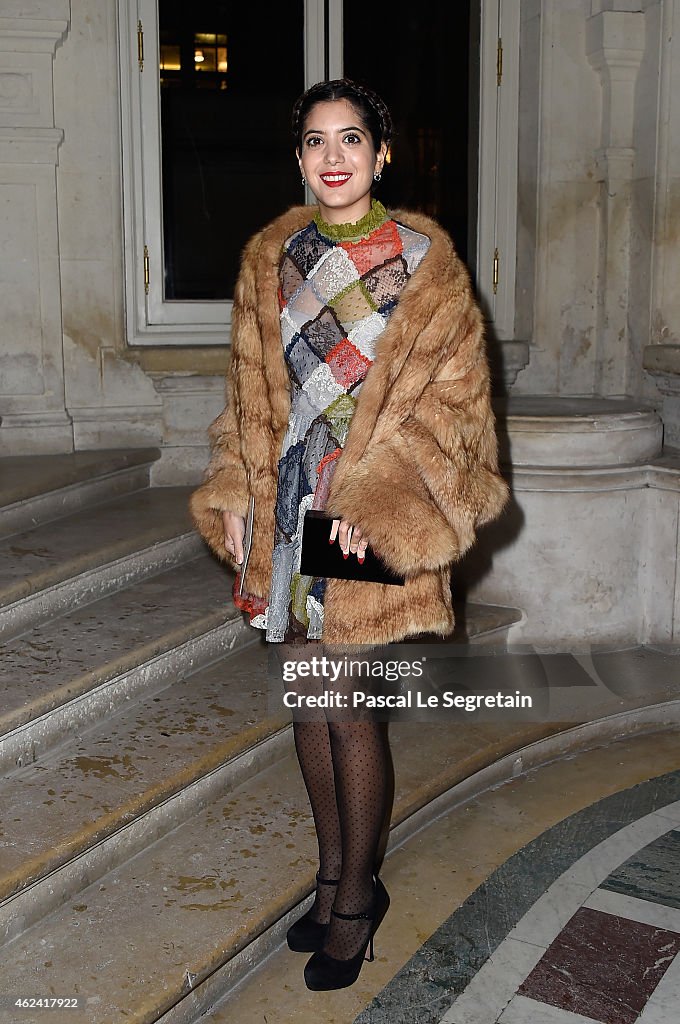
<point>90,805</point>
<point>79,558</point>
<point>205,902</point>
<point>71,672</point>
<point>135,775</point>
<point>36,489</point>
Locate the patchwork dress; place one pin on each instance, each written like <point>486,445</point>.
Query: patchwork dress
<point>338,286</point>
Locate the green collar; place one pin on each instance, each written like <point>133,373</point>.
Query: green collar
<point>375,218</point>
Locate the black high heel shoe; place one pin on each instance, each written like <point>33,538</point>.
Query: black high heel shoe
<point>324,972</point>
<point>307,935</point>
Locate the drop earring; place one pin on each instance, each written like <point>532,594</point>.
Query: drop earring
<point>377,177</point>
<point>304,180</point>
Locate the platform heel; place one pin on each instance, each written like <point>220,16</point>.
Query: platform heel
<point>324,972</point>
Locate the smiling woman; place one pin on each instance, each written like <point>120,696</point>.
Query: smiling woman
<point>358,386</point>
<point>337,155</point>
<point>339,159</point>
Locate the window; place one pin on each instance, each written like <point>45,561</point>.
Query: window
<point>206,91</point>
<point>427,88</point>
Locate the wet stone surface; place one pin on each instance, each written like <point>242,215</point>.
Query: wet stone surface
<point>100,636</point>
<point>46,554</point>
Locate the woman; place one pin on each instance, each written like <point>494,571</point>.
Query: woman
<point>358,384</point>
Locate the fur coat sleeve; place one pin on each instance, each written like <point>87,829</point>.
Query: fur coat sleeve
<point>419,470</point>
<point>226,487</point>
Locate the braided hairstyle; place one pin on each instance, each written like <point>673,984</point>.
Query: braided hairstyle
<point>371,109</point>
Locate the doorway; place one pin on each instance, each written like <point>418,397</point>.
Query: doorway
<point>417,56</point>
<point>228,78</point>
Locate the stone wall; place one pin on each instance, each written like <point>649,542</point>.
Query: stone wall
<point>111,401</point>
<point>599,201</point>
<point>31,364</point>
<point>598,209</point>
<point>657,211</point>
<point>558,200</point>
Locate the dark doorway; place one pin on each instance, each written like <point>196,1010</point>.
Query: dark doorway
<point>229,75</point>
<point>417,56</point>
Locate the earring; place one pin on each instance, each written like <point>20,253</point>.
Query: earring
<point>377,177</point>
<point>304,180</point>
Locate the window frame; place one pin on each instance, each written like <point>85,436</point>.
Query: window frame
<point>151,320</point>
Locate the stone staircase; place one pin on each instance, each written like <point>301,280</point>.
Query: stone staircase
<point>155,837</point>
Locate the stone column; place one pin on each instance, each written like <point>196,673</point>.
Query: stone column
<point>661,357</point>
<point>558,220</point>
<point>615,45</point>
<point>32,410</point>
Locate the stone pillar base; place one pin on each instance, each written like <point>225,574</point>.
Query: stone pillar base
<point>588,547</point>
<point>35,433</point>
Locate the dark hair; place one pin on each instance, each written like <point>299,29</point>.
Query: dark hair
<point>369,106</point>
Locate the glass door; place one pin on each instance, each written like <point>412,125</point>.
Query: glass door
<point>229,75</point>
<point>419,62</point>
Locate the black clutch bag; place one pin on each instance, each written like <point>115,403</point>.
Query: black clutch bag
<point>319,558</point>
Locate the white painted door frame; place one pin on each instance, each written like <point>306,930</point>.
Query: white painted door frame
<point>496,250</point>
<point>151,320</point>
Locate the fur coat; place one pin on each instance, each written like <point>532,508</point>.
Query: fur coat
<point>419,470</point>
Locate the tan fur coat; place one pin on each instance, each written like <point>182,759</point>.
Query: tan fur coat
<point>419,471</point>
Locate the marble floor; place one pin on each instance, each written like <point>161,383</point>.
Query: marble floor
<point>551,899</point>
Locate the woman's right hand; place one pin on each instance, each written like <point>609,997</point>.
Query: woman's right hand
<point>234,531</point>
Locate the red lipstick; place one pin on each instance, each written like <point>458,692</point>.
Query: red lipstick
<point>335,178</point>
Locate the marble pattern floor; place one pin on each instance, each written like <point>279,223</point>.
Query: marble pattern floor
<point>520,908</point>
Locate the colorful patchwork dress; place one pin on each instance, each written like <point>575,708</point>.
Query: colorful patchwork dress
<point>338,286</point>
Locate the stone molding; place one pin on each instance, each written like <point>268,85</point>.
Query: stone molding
<point>615,478</point>
<point>615,42</point>
<point>663,363</point>
<point>508,359</point>
<point>600,6</point>
<point>29,35</point>
<point>34,414</point>
<point>543,431</point>
<point>30,145</point>
<point>186,383</point>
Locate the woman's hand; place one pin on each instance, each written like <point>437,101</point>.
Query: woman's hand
<point>234,531</point>
<point>350,538</point>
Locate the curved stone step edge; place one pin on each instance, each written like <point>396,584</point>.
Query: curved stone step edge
<point>95,576</point>
<point>73,865</point>
<point>57,716</point>
<point>112,841</point>
<point>33,511</point>
<point>481,634</point>
<point>199,995</point>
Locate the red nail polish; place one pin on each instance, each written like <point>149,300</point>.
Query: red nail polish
<point>360,559</point>
<point>330,540</point>
<point>344,555</point>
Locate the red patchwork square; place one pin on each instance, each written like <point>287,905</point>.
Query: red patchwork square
<point>384,244</point>
<point>348,365</point>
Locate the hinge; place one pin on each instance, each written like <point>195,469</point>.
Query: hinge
<point>496,261</point>
<point>499,63</point>
<point>140,45</point>
<point>146,270</point>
